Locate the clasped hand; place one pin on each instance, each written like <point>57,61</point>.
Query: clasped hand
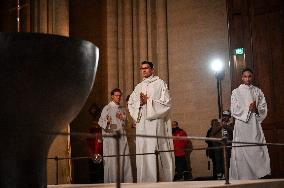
<point>120,116</point>
<point>107,129</point>
<point>143,99</point>
<point>252,107</point>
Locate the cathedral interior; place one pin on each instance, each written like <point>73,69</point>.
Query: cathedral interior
<point>181,38</point>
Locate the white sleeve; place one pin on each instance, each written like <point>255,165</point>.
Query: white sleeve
<point>159,108</point>
<point>261,107</point>
<point>134,104</point>
<point>103,119</point>
<point>238,110</point>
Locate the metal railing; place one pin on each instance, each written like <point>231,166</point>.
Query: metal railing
<point>225,144</point>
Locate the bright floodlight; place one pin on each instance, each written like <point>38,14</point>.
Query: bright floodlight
<point>217,65</point>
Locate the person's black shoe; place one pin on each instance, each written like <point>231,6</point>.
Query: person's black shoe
<point>220,176</point>
<point>178,177</point>
<point>187,176</point>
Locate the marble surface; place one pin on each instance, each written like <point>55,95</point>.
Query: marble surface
<point>269,183</point>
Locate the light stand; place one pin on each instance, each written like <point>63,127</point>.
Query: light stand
<point>219,77</point>
<point>217,66</point>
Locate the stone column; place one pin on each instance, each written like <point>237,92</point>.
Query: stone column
<point>39,16</point>
<point>135,42</point>
<point>136,31</point>
<point>112,44</point>
<point>162,40</point>
<point>142,33</point>
<point>60,17</point>
<point>50,16</point>
<point>128,47</point>
<point>120,44</point>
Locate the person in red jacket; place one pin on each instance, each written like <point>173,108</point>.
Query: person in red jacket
<point>95,149</point>
<point>182,169</point>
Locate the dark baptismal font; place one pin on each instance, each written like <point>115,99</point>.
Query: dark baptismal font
<point>44,82</point>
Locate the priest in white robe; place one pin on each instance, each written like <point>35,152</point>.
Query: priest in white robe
<point>149,105</point>
<point>249,108</point>
<point>113,119</point>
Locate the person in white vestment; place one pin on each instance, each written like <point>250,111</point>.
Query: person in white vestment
<point>113,119</point>
<point>249,108</point>
<point>149,105</point>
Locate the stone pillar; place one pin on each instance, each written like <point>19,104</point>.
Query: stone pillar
<point>136,31</point>
<point>120,44</point>
<point>60,17</point>
<point>112,45</point>
<point>136,60</point>
<point>150,20</point>
<point>40,16</point>
<point>50,16</point>
<point>162,40</point>
<point>142,30</point>
<point>128,63</point>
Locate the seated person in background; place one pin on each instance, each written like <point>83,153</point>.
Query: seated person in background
<point>183,172</point>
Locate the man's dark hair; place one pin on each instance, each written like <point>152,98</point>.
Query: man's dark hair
<point>176,123</point>
<point>148,63</point>
<point>214,121</point>
<point>115,90</point>
<point>247,69</point>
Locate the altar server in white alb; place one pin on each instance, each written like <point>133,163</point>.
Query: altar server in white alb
<point>149,105</point>
<point>249,108</point>
<point>113,119</point>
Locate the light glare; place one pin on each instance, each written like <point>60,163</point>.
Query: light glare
<point>217,65</point>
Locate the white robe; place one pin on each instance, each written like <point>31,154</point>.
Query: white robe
<point>109,146</point>
<point>154,121</point>
<point>248,162</point>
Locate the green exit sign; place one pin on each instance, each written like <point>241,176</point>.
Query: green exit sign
<point>239,51</point>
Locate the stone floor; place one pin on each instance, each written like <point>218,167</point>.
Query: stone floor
<point>267,183</point>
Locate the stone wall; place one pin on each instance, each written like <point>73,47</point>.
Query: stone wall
<point>197,34</point>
